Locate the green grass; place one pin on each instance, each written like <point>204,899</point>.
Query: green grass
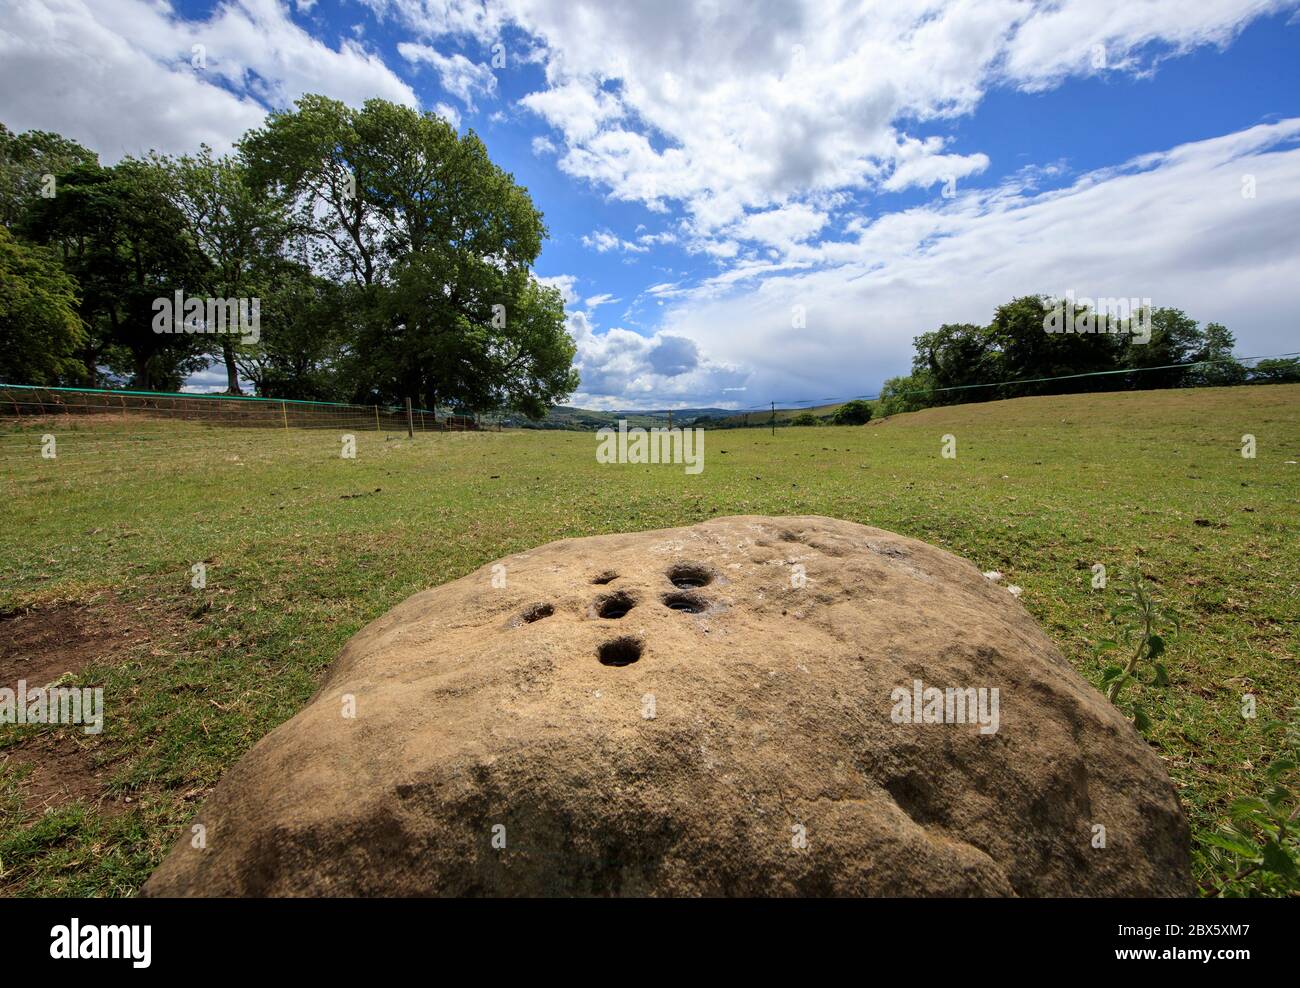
<point>1041,489</point>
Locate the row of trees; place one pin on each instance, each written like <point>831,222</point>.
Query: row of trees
<point>390,256</point>
<point>964,362</point>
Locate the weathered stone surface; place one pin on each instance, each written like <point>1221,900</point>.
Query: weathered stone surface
<point>480,708</point>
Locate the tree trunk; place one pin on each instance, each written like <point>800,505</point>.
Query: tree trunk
<point>142,381</point>
<point>232,371</point>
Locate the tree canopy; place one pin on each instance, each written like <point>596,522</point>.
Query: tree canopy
<point>1018,354</point>
<point>389,255</point>
<point>40,331</point>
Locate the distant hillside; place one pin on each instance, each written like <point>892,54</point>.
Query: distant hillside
<point>760,417</point>
<point>588,419</point>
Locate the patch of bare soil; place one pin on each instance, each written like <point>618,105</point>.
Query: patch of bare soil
<point>41,643</point>
<point>63,770</point>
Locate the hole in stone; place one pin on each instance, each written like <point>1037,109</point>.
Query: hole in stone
<point>691,603</point>
<point>609,576</point>
<point>537,612</point>
<point>689,576</point>
<point>614,605</point>
<point>619,652</point>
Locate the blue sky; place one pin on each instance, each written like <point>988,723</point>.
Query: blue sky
<point>768,200</point>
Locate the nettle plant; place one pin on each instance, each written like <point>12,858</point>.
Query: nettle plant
<point>1138,621</point>
<point>1262,834</point>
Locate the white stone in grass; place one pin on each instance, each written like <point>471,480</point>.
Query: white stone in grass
<point>993,575</point>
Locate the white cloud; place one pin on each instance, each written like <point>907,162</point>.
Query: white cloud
<point>755,128</point>
<point>665,289</point>
<point>576,110</point>
<point>457,74</point>
<point>1113,33</point>
<point>622,369</point>
<point>655,239</point>
<point>120,75</point>
<point>740,108</point>
<point>448,113</point>
<point>1173,227</point>
<point>782,226</point>
<point>602,241</point>
<point>566,284</point>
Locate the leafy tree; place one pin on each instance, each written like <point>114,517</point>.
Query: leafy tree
<point>1175,339</point>
<point>855,412</point>
<point>40,331</point>
<point>439,242</point>
<point>1276,370</point>
<point>518,358</point>
<point>956,356</point>
<point>239,228</point>
<point>1030,353</point>
<point>1222,367</point>
<point>30,165</point>
<point>314,158</point>
<point>306,347</point>
<point>804,418</point>
<point>906,394</point>
<point>126,245</point>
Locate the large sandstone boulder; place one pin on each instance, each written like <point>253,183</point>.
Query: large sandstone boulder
<point>725,709</point>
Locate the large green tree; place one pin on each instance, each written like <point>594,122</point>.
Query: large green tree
<point>126,245</point>
<point>438,242</point>
<point>1030,353</point>
<point>30,166</point>
<point>906,394</point>
<point>1276,370</point>
<point>241,229</point>
<point>1221,367</point>
<point>307,345</point>
<point>1175,339</point>
<point>40,331</point>
<point>957,356</point>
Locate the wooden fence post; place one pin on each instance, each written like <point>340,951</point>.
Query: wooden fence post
<point>410,421</point>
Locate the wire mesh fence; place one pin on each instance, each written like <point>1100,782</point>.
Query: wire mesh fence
<point>97,420</point>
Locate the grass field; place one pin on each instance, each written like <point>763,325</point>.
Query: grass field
<point>303,547</point>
